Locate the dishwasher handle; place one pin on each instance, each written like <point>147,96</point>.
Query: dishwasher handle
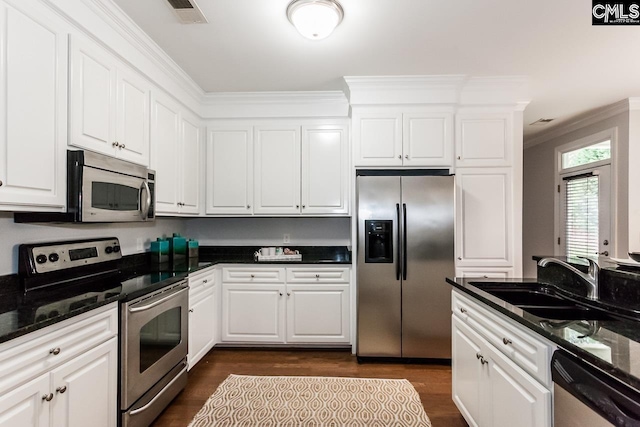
<point>614,400</point>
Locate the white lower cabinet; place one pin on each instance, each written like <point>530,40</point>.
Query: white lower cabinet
<point>202,315</point>
<point>62,375</point>
<point>307,305</point>
<point>489,386</point>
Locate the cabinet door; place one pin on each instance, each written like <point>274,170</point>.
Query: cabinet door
<point>484,217</point>
<point>484,139</point>
<point>85,388</point>
<point>202,313</point>
<point>132,120</point>
<point>253,313</point>
<point>165,134</point>
<point>466,371</point>
<point>514,395</point>
<point>277,170</point>
<point>230,171</point>
<point>33,108</point>
<point>318,314</point>
<point>378,139</point>
<point>190,151</point>
<point>325,170</point>
<point>25,406</point>
<point>92,102</point>
<point>427,139</point>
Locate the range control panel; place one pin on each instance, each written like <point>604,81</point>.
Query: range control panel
<point>48,257</point>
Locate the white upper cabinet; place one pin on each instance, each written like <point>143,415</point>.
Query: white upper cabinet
<point>33,108</point>
<point>387,137</point>
<point>325,166</point>
<point>108,105</point>
<point>484,139</point>
<point>484,216</point>
<point>230,170</point>
<point>175,156</point>
<point>277,170</point>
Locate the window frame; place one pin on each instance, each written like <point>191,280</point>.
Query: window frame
<point>595,138</point>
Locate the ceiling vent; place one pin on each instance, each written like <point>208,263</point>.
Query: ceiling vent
<point>541,122</point>
<point>187,11</point>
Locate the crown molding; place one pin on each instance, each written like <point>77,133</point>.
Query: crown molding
<point>128,29</point>
<point>227,105</point>
<point>583,120</point>
<point>497,90</point>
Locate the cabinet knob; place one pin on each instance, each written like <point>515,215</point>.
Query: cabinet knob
<point>0,183</point>
<point>480,357</point>
<point>317,276</point>
<point>459,258</point>
<point>248,206</point>
<point>122,146</point>
<point>61,389</point>
<point>406,156</point>
<point>297,206</point>
<point>47,397</point>
<point>288,294</point>
<point>507,341</point>
<point>252,276</point>
<point>605,253</point>
<point>459,157</point>
<point>280,293</point>
<point>304,207</point>
<point>205,281</point>
<point>400,156</point>
<point>191,310</point>
<point>55,351</point>
<point>463,310</point>
<point>115,144</point>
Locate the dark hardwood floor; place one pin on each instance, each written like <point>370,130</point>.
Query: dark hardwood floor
<point>433,382</point>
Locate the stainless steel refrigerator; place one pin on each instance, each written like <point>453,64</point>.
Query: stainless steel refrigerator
<point>405,252</point>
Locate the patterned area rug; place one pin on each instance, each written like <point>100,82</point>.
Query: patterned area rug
<point>312,401</point>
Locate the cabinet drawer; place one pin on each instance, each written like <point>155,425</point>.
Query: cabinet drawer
<point>530,352</point>
<point>33,354</point>
<point>317,275</point>
<point>253,275</point>
<point>200,282</point>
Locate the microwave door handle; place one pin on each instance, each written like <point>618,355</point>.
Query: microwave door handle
<point>145,212</point>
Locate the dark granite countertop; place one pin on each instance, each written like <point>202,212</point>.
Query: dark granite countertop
<point>612,345</point>
<point>21,313</point>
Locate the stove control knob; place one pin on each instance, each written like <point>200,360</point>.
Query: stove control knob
<point>41,259</point>
<point>108,249</point>
<point>116,249</point>
<point>53,257</point>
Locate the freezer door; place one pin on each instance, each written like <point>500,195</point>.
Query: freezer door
<point>428,219</point>
<point>378,283</point>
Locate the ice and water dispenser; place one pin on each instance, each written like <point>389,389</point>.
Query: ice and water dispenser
<point>378,241</point>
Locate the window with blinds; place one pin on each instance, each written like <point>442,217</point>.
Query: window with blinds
<point>581,222</point>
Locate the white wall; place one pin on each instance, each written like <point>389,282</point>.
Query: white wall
<point>269,231</point>
<point>134,237</point>
<point>539,191</point>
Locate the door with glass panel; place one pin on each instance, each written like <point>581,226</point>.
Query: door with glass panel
<point>585,202</point>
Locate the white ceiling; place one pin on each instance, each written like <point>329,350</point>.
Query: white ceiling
<point>249,46</point>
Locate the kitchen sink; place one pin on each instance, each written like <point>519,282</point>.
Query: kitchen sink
<point>528,297</point>
<point>567,313</point>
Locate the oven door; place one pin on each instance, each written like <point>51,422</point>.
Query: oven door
<point>112,197</point>
<point>154,340</point>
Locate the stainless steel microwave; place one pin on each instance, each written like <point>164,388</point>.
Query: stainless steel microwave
<point>102,189</point>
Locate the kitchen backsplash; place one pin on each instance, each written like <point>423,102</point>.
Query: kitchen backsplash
<point>134,237</point>
<point>270,231</point>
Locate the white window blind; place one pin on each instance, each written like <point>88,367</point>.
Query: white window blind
<point>581,216</point>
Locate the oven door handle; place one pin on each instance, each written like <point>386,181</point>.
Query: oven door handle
<point>157,396</point>
<point>135,309</point>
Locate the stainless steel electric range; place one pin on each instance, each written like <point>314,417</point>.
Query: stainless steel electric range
<point>153,315</point>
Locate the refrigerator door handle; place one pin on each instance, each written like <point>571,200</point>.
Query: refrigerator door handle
<point>404,241</point>
<point>398,260</point>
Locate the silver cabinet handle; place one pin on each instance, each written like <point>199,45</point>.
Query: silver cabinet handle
<point>191,310</point>
<point>47,397</point>
<point>61,390</point>
<point>115,144</point>
<point>605,253</point>
<point>288,294</point>
<point>122,146</point>
<point>480,357</point>
<point>248,206</point>
<point>400,156</point>
<point>317,276</point>
<point>459,258</point>
<point>280,293</point>
<point>205,281</point>
<point>507,341</point>
<point>463,310</point>
<point>252,276</point>
<point>406,156</point>
<point>55,351</point>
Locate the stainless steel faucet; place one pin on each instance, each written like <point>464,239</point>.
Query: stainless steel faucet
<point>591,277</point>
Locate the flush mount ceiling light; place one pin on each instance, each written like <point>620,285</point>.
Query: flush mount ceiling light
<point>315,19</point>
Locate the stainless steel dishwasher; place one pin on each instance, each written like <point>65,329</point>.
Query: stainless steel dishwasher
<point>584,395</point>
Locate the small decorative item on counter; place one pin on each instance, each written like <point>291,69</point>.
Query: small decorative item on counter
<point>178,247</point>
<point>288,251</point>
<point>278,254</point>
<point>192,248</point>
<point>160,250</point>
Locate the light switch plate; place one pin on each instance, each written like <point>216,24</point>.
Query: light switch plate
<point>286,238</point>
